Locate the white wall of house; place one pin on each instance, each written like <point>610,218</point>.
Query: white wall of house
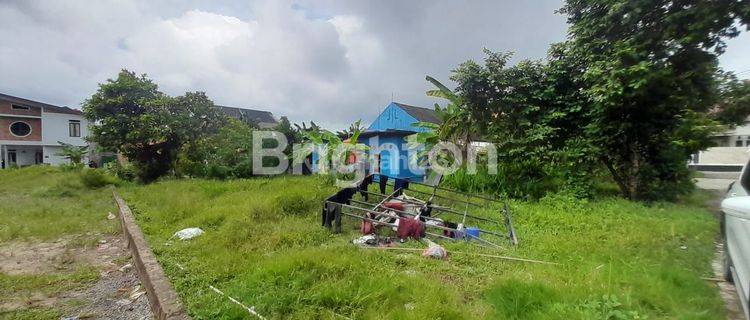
<point>724,155</point>
<point>51,156</point>
<point>55,127</point>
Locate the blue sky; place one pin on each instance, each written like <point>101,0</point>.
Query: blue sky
<point>331,62</point>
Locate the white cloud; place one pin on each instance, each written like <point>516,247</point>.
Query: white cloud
<point>327,61</point>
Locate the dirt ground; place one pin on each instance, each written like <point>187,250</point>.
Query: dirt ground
<point>117,294</point>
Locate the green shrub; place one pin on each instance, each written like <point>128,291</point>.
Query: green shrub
<point>520,180</point>
<point>218,171</point>
<point>95,178</point>
<point>244,169</point>
<point>125,171</point>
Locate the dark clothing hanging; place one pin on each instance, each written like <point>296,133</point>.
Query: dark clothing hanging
<point>383,183</point>
<point>364,185</point>
<point>425,211</point>
<point>332,213</point>
<point>451,225</point>
<point>400,184</point>
<point>332,208</point>
<point>343,196</point>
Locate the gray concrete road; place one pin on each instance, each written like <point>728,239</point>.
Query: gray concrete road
<point>713,184</point>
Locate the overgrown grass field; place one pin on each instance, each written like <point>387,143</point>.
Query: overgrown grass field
<point>264,246</point>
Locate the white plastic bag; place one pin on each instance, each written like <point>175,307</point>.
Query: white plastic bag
<point>189,233</point>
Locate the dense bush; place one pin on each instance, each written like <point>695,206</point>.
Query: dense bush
<point>520,180</point>
<point>124,171</point>
<point>224,155</point>
<point>97,178</point>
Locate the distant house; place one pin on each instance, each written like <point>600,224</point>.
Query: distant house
<point>30,131</point>
<point>731,152</point>
<point>262,119</point>
<point>385,137</point>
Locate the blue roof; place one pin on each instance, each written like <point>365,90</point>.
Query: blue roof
<point>402,117</point>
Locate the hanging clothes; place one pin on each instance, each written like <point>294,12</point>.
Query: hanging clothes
<point>367,227</point>
<point>408,227</point>
<point>449,233</point>
<point>401,185</point>
<point>332,214</point>
<point>383,183</point>
<point>363,187</point>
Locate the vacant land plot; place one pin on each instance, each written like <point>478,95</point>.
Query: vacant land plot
<point>264,246</point>
<point>59,253</point>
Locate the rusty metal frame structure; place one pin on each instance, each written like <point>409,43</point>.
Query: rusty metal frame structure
<point>358,209</point>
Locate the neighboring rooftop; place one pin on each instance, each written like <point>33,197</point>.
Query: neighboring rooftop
<point>256,116</point>
<point>45,106</point>
<point>419,113</point>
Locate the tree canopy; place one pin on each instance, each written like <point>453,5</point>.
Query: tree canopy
<point>130,115</point>
<point>635,90</point>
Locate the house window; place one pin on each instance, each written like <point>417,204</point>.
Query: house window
<point>738,143</point>
<point>74,128</point>
<point>19,107</point>
<point>20,129</point>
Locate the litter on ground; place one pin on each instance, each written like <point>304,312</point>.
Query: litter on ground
<point>188,233</point>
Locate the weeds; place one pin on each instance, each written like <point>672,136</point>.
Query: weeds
<point>264,245</point>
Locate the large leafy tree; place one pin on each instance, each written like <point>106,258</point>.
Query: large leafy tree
<point>130,115</point>
<point>733,106</point>
<point>533,112</point>
<point>649,77</point>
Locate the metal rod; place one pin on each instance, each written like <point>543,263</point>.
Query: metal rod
<point>447,189</point>
<point>438,207</point>
<point>403,212</point>
<point>437,219</point>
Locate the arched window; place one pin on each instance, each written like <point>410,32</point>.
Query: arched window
<point>20,129</point>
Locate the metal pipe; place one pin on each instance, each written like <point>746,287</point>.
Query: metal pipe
<point>437,207</point>
<point>402,212</point>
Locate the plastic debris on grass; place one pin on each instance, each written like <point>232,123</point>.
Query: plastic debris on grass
<point>435,251</point>
<point>188,233</point>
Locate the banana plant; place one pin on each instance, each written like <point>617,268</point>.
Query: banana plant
<point>455,125</point>
<point>328,145</point>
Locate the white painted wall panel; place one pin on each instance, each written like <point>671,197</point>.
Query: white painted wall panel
<point>55,128</point>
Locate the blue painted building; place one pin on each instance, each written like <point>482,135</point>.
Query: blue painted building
<point>385,137</point>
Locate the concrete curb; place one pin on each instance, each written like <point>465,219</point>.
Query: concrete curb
<point>165,304</point>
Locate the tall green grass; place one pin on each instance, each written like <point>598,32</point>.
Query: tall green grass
<point>44,203</point>
<point>264,245</point>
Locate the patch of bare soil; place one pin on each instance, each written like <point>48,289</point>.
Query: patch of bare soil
<point>19,258</point>
<point>116,295</point>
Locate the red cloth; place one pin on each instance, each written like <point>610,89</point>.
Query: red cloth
<point>395,205</point>
<point>408,227</point>
<point>367,227</point>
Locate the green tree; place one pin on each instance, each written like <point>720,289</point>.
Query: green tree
<point>534,114</point>
<point>650,68</point>
<point>130,115</point>
<point>733,105</point>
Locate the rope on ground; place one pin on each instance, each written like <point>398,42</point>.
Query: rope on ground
<point>251,310</point>
<point>471,253</point>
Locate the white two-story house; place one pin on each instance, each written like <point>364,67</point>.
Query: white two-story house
<point>30,131</point>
